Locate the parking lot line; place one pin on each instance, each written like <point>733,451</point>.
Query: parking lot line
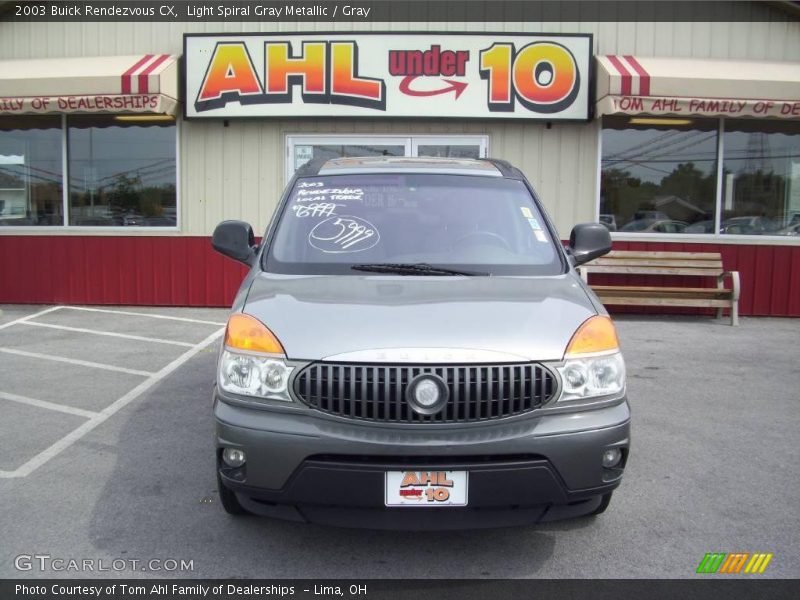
<point>48,405</point>
<point>76,361</point>
<point>76,434</point>
<point>31,316</point>
<point>108,333</point>
<point>139,314</point>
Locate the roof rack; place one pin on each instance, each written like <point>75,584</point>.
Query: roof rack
<point>506,168</point>
<point>311,168</point>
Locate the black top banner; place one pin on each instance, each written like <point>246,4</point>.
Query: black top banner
<point>395,589</point>
<point>398,11</point>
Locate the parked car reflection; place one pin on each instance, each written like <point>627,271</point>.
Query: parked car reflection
<point>790,230</point>
<point>609,221</point>
<point>730,227</point>
<point>752,225</point>
<point>653,225</point>
<point>700,227</point>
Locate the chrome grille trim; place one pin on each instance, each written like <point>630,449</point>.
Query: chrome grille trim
<point>377,392</point>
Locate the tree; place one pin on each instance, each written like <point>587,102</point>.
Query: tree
<point>125,194</point>
<point>689,183</point>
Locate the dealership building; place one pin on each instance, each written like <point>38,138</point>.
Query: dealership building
<point>123,144</point>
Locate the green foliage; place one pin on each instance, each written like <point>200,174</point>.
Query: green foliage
<point>624,195</point>
<point>688,183</point>
<point>124,193</point>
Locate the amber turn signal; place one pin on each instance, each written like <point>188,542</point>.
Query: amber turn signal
<point>596,334</point>
<point>248,333</point>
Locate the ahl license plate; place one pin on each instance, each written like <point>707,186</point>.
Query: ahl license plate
<point>426,488</point>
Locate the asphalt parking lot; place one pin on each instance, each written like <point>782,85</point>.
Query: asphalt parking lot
<point>106,454</point>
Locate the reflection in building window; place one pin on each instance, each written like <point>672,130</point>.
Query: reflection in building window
<point>450,150</point>
<point>305,153</point>
<point>30,171</point>
<point>761,178</point>
<point>658,175</point>
<point>121,171</point>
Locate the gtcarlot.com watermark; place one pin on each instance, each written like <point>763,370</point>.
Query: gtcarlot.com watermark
<point>46,562</point>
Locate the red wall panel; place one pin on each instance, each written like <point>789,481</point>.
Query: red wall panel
<point>185,271</point>
<point>175,271</point>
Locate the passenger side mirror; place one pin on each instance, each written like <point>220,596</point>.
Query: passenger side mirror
<point>235,239</point>
<point>588,241</point>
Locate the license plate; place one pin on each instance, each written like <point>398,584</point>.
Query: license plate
<point>426,488</point>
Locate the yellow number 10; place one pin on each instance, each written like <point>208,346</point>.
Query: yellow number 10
<point>543,76</point>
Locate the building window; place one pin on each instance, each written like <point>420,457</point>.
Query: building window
<point>30,171</point>
<point>761,178</point>
<point>303,148</point>
<point>659,175</point>
<point>121,171</point>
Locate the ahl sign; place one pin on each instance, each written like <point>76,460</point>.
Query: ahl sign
<point>518,76</point>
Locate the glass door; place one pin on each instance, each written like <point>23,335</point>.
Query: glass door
<point>302,148</point>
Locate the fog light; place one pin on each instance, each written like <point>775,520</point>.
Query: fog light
<point>234,457</point>
<point>611,457</point>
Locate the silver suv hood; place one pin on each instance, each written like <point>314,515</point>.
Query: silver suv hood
<point>420,319</point>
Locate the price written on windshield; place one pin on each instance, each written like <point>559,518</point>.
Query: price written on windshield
<point>343,234</point>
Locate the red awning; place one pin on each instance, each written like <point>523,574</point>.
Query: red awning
<point>104,84</point>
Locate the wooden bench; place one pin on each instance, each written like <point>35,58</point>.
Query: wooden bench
<point>683,264</point>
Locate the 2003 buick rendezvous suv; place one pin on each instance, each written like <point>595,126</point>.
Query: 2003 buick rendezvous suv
<point>412,348</point>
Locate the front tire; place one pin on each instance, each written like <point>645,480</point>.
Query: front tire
<point>229,500</point>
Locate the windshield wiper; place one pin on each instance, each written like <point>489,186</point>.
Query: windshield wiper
<point>414,269</point>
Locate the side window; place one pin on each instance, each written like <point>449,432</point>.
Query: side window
<point>121,170</point>
<point>121,173</point>
<point>669,168</point>
<point>30,171</point>
<point>664,169</point>
<point>761,176</point>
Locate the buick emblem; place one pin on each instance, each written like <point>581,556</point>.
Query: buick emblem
<point>427,394</point>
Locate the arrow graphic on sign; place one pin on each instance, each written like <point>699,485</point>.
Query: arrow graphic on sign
<point>453,86</point>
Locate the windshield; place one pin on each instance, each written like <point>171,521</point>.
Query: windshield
<point>466,223</point>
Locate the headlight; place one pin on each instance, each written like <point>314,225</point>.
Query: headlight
<point>592,376</point>
<point>252,361</point>
<point>253,375</point>
<point>593,365</point>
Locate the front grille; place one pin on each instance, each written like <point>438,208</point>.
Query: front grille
<point>378,392</point>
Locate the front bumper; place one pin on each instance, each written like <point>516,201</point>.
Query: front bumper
<point>308,467</point>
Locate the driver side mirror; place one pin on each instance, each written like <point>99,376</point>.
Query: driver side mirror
<point>588,241</point>
<point>235,239</point>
